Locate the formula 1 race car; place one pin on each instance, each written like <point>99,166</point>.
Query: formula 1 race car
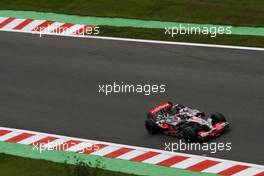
<point>184,122</point>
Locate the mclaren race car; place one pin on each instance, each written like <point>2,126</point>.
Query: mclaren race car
<point>184,122</point>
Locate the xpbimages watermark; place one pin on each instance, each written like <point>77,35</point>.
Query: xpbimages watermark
<point>73,30</point>
<point>211,147</point>
<point>78,147</point>
<point>145,89</point>
<point>188,29</point>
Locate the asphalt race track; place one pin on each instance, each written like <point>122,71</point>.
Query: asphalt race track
<point>50,84</point>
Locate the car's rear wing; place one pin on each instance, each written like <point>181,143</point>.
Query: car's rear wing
<point>160,107</point>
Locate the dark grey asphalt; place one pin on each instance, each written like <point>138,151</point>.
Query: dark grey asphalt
<point>50,84</point>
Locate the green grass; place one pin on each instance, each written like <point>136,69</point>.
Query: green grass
<point>158,34</point>
<point>235,12</point>
<point>13,165</point>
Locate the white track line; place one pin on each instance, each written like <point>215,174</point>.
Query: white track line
<point>178,43</point>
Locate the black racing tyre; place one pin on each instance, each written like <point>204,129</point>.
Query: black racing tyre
<point>217,117</point>
<point>151,126</point>
<point>189,134</point>
<point>150,116</point>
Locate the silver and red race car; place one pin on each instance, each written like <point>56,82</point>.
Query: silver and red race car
<point>184,122</point>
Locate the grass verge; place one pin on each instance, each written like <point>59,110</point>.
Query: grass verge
<point>231,12</point>
<point>158,34</point>
<point>14,165</point>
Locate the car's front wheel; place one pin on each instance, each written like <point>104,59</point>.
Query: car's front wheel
<point>189,134</point>
<point>151,126</point>
<point>217,117</point>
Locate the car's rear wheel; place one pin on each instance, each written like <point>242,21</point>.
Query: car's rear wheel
<point>217,117</point>
<point>189,134</point>
<point>151,126</point>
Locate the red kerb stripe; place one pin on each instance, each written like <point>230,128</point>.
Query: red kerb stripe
<point>233,170</point>
<point>6,22</point>
<point>202,165</point>
<point>4,132</point>
<point>118,152</point>
<point>19,137</point>
<point>23,24</point>
<point>260,174</point>
<point>173,160</point>
<point>42,26</point>
<point>144,156</point>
